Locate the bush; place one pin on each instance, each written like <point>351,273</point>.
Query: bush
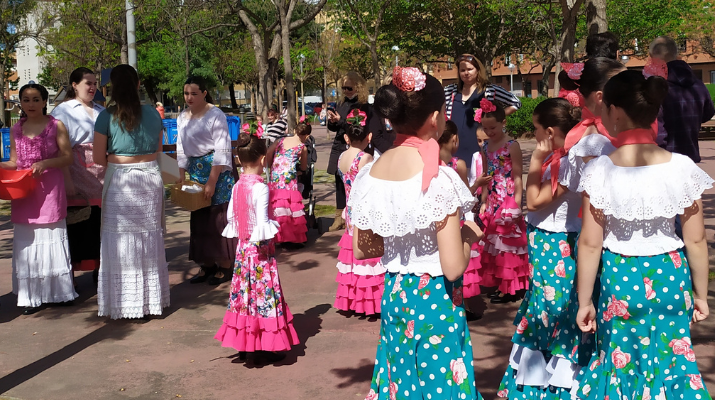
<point>520,123</point>
<point>711,89</point>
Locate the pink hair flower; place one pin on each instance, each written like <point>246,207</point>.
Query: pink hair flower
<point>253,128</point>
<point>302,119</point>
<point>573,70</point>
<point>356,116</point>
<point>409,79</point>
<point>655,67</point>
<point>485,106</point>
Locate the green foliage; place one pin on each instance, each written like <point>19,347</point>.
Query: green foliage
<point>520,122</point>
<point>711,89</point>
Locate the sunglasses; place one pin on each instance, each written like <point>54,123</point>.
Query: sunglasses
<point>465,57</point>
<point>348,88</point>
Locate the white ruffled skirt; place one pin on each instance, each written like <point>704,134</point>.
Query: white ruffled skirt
<point>133,272</point>
<point>42,272</point>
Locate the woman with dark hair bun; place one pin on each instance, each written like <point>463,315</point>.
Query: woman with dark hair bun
<point>203,150</point>
<point>133,275</point>
<point>405,201</point>
<point>84,178</point>
<point>650,292</point>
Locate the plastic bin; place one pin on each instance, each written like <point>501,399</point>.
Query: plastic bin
<point>16,184</point>
<point>170,131</point>
<point>5,132</point>
<point>234,126</point>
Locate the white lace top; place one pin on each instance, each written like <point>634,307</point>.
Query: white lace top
<point>561,215</point>
<point>640,203</point>
<point>265,228</point>
<point>199,136</point>
<point>405,216</point>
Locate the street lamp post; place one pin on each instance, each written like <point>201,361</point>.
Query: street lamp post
<point>302,95</point>
<point>396,49</point>
<point>512,67</point>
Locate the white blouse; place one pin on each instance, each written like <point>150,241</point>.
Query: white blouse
<point>640,203</point>
<point>265,228</point>
<point>79,124</point>
<point>561,215</point>
<point>405,216</point>
<point>200,136</point>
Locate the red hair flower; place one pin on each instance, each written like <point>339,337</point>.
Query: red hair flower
<point>655,67</point>
<point>409,79</point>
<point>356,116</point>
<point>485,106</point>
<point>253,128</point>
<point>573,70</point>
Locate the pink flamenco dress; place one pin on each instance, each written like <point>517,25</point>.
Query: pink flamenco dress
<point>471,280</point>
<point>286,204</point>
<point>505,259</point>
<point>360,282</point>
<point>257,318</point>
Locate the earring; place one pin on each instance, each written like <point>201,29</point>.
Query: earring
<point>503,129</point>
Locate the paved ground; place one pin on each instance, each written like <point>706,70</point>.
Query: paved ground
<point>70,353</point>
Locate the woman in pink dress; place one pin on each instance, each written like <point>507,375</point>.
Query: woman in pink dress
<point>42,272</point>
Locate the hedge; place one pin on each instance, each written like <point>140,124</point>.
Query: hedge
<point>519,122</point>
<point>711,89</point>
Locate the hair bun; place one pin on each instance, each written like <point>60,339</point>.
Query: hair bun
<point>655,89</point>
<point>390,103</point>
<point>243,140</point>
<point>575,114</point>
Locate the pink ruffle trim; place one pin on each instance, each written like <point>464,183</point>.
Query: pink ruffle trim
<point>510,272</point>
<point>358,293</point>
<point>293,228</point>
<point>251,333</point>
<point>471,279</point>
<point>346,255</point>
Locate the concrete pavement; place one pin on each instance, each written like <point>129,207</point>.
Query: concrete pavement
<point>71,353</point>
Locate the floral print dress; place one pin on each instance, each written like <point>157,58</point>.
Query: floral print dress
<point>286,204</point>
<point>504,261</point>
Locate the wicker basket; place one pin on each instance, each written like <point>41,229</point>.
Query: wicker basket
<point>189,201</point>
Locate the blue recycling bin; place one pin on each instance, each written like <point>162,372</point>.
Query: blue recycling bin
<point>234,126</point>
<point>170,131</point>
<point>5,132</point>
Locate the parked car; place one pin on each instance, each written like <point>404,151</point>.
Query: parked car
<point>308,109</point>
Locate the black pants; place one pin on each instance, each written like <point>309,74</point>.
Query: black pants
<point>340,200</point>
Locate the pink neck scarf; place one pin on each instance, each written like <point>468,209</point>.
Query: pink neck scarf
<point>429,151</point>
<point>244,213</point>
<point>555,163</point>
<point>634,136</point>
<point>576,133</point>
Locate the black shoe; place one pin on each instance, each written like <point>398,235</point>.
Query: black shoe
<point>65,303</point>
<point>494,294</point>
<point>472,316</point>
<point>507,298</point>
<point>204,274</point>
<point>31,310</point>
<point>225,277</point>
<point>269,357</point>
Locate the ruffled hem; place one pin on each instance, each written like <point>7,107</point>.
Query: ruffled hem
<point>532,369</point>
<point>472,280</point>
<point>362,294</point>
<point>252,333</point>
<point>260,233</point>
<point>33,292</point>
<point>510,272</point>
<point>600,383</point>
<point>292,225</point>
<point>132,312</point>
<point>511,391</point>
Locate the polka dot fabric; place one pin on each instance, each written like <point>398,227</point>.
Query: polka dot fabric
<point>644,348</point>
<point>425,351</point>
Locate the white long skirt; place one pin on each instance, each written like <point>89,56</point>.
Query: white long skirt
<point>42,271</point>
<point>133,272</point>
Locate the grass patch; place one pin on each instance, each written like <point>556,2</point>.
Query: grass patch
<point>322,210</point>
<point>4,207</point>
<point>711,276</point>
<point>322,176</point>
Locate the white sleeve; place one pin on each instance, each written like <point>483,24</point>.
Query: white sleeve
<point>230,230</point>
<point>180,155</point>
<point>265,228</point>
<point>222,140</point>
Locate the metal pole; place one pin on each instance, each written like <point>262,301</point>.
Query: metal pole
<point>131,36</point>
<point>302,95</point>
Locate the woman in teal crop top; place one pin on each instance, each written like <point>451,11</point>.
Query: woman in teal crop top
<point>127,139</point>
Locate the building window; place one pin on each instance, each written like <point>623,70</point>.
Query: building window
<point>527,89</point>
<point>497,80</point>
<point>540,86</point>
<point>712,76</point>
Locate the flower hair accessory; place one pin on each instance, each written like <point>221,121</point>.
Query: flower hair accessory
<point>573,70</point>
<point>253,128</point>
<point>655,67</point>
<point>302,119</point>
<point>356,116</point>
<point>485,106</point>
<point>409,79</point>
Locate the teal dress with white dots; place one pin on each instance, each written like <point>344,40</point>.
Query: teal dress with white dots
<point>645,305</point>
<point>424,350</point>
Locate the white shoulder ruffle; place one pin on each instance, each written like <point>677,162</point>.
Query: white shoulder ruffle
<point>644,193</point>
<point>593,145</point>
<point>390,208</point>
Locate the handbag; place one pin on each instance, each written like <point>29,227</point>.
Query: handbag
<point>77,214</point>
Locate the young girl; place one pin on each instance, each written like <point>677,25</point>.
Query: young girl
<point>286,156</point>
<point>42,272</point>
<point>546,339</point>
<point>448,145</point>
<point>257,319</point>
<point>360,282</point>
<point>406,208</point>
<point>650,292</point>
<point>504,259</point>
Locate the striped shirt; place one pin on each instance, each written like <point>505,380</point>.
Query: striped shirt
<point>276,130</point>
<point>491,93</point>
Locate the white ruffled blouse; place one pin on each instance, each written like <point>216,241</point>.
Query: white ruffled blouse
<point>561,215</point>
<point>640,203</point>
<point>200,136</point>
<point>265,228</point>
<point>405,216</point>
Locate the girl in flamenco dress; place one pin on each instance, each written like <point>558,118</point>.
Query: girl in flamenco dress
<point>360,282</point>
<point>258,322</point>
<point>505,262</point>
<point>288,157</point>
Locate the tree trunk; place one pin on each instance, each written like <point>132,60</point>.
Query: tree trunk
<point>3,83</point>
<point>375,65</point>
<point>596,18</point>
<point>569,14</point>
<point>232,93</point>
<point>288,66</point>
<point>545,76</point>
